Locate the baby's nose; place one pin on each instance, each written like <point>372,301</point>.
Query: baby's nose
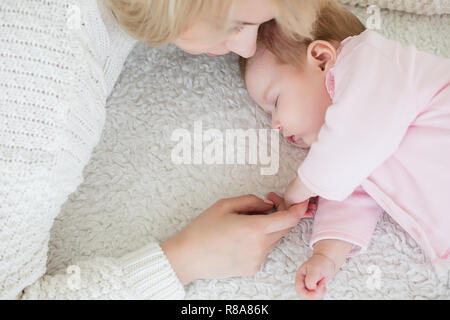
<point>276,125</point>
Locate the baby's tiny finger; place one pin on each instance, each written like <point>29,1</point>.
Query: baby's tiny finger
<point>301,290</point>
<point>277,200</point>
<point>322,288</point>
<point>309,294</point>
<point>300,277</point>
<point>309,214</point>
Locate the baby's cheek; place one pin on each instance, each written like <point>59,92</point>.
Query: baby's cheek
<point>310,139</point>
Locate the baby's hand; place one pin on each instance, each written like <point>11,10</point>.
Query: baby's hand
<point>296,192</point>
<point>313,275</point>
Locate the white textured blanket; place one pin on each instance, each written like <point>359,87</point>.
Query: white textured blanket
<point>134,193</point>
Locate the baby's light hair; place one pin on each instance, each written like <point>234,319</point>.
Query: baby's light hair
<point>159,22</point>
<point>334,23</point>
<point>296,17</point>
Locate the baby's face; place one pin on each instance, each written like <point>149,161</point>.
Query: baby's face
<point>296,98</point>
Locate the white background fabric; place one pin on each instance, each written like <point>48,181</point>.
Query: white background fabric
<point>132,192</point>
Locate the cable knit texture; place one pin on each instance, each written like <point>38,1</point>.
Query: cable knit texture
<point>56,72</point>
<point>107,217</point>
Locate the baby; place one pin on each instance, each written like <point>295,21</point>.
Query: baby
<point>375,117</point>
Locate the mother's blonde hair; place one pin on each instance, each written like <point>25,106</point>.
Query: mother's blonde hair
<point>158,22</point>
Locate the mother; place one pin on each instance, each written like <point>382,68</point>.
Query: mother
<point>59,60</point>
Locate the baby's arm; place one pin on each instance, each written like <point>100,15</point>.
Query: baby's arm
<point>297,192</point>
<point>312,276</point>
<point>352,221</point>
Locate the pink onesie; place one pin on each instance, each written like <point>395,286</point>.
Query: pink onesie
<point>385,145</point>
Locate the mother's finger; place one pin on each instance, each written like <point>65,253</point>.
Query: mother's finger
<point>281,220</point>
<point>246,203</point>
<point>274,237</point>
<point>273,245</point>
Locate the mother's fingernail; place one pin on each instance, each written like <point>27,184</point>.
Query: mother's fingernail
<point>268,201</point>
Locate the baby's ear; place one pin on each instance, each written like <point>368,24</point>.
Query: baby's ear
<point>321,54</point>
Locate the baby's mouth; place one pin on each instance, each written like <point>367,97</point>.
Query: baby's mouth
<point>291,139</point>
<point>298,141</point>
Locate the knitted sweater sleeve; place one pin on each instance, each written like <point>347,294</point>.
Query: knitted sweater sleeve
<point>54,80</point>
<point>142,274</point>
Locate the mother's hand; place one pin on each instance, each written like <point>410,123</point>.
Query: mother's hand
<point>229,239</point>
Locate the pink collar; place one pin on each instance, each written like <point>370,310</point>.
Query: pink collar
<point>329,80</point>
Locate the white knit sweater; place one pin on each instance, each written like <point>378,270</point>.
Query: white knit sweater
<point>54,81</point>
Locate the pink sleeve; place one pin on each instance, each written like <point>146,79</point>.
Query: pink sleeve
<point>352,220</point>
<point>373,106</point>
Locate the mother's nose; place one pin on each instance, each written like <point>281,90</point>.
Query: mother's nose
<point>244,43</point>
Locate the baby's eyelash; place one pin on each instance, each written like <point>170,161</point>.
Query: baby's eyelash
<point>276,102</point>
